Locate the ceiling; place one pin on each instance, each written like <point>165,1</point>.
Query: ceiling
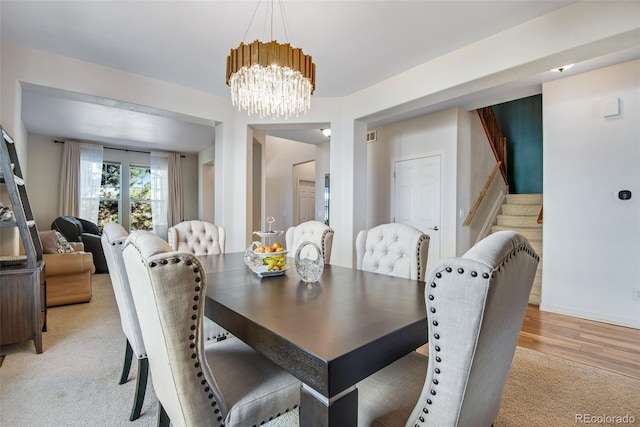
<point>354,44</point>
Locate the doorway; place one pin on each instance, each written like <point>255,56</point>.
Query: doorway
<point>417,199</point>
<point>304,194</point>
<point>306,200</point>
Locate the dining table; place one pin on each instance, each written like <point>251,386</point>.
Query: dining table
<point>330,334</point>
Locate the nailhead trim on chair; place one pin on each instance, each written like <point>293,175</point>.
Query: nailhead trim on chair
<point>192,337</point>
<point>524,247</point>
<point>324,249</point>
<point>272,418</point>
<point>419,245</point>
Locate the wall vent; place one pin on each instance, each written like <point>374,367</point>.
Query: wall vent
<point>371,136</point>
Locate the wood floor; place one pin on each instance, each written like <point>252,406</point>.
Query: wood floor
<point>611,347</point>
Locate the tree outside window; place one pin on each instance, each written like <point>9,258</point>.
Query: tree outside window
<point>109,210</point>
<point>140,198</point>
<point>113,199</point>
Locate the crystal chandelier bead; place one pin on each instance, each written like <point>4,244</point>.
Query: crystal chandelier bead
<point>283,88</point>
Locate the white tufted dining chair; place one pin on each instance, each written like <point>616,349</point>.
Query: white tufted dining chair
<point>475,308</point>
<point>313,231</point>
<point>394,249</point>
<point>224,384</point>
<point>197,237</point>
<point>112,239</point>
<point>113,236</point>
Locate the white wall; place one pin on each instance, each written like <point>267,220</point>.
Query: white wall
<point>467,161</point>
<point>592,239</point>
<point>190,186</point>
<point>302,171</point>
<point>279,158</point>
<point>23,65</point>
<point>206,187</point>
<point>43,185</point>
<point>453,133</point>
<point>280,155</point>
<point>322,168</point>
<point>475,164</point>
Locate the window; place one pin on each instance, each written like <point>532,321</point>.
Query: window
<point>122,204</point>
<point>109,210</point>
<point>140,198</point>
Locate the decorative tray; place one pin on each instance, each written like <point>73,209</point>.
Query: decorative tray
<point>263,271</point>
<point>268,233</point>
<point>267,263</point>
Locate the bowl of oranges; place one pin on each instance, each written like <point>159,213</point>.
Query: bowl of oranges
<point>267,260</point>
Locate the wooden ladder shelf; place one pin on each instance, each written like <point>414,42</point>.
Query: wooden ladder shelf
<point>22,279</point>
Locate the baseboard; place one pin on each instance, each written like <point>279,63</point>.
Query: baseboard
<point>596,317</point>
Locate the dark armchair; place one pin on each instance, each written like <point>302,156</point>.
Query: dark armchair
<point>80,230</point>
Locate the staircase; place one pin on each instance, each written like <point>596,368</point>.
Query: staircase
<point>520,213</point>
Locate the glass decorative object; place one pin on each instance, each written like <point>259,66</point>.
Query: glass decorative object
<point>309,268</point>
<point>252,259</point>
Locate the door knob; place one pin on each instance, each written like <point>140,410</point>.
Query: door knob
<point>434,228</point>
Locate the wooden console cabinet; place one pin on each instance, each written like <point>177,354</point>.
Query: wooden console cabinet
<point>22,304</point>
<point>23,288</point>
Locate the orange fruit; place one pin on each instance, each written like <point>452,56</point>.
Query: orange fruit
<point>276,245</point>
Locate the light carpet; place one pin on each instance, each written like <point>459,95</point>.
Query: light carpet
<point>74,382</point>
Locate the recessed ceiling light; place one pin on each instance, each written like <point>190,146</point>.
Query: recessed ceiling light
<point>326,132</point>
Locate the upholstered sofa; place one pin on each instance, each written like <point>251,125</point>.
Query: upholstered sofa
<point>80,230</point>
<point>68,270</point>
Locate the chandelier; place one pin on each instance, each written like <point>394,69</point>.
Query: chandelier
<point>271,79</point>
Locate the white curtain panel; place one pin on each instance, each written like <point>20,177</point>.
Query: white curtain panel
<point>90,178</point>
<point>159,164</point>
<point>176,206</point>
<point>69,183</point>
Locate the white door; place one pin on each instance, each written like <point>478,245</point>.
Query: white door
<point>306,201</point>
<point>417,199</point>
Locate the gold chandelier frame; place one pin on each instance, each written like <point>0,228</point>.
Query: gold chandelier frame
<point>270,78</point>
<point>271,54</point>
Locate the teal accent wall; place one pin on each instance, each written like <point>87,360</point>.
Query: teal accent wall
<point>521,122</point>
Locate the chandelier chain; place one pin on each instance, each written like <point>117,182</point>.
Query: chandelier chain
<point>283,16</point>
<point>285,22</point>
<point>251,22</point>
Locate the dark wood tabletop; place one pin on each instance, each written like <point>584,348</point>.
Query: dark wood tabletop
<point>329,334</point>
